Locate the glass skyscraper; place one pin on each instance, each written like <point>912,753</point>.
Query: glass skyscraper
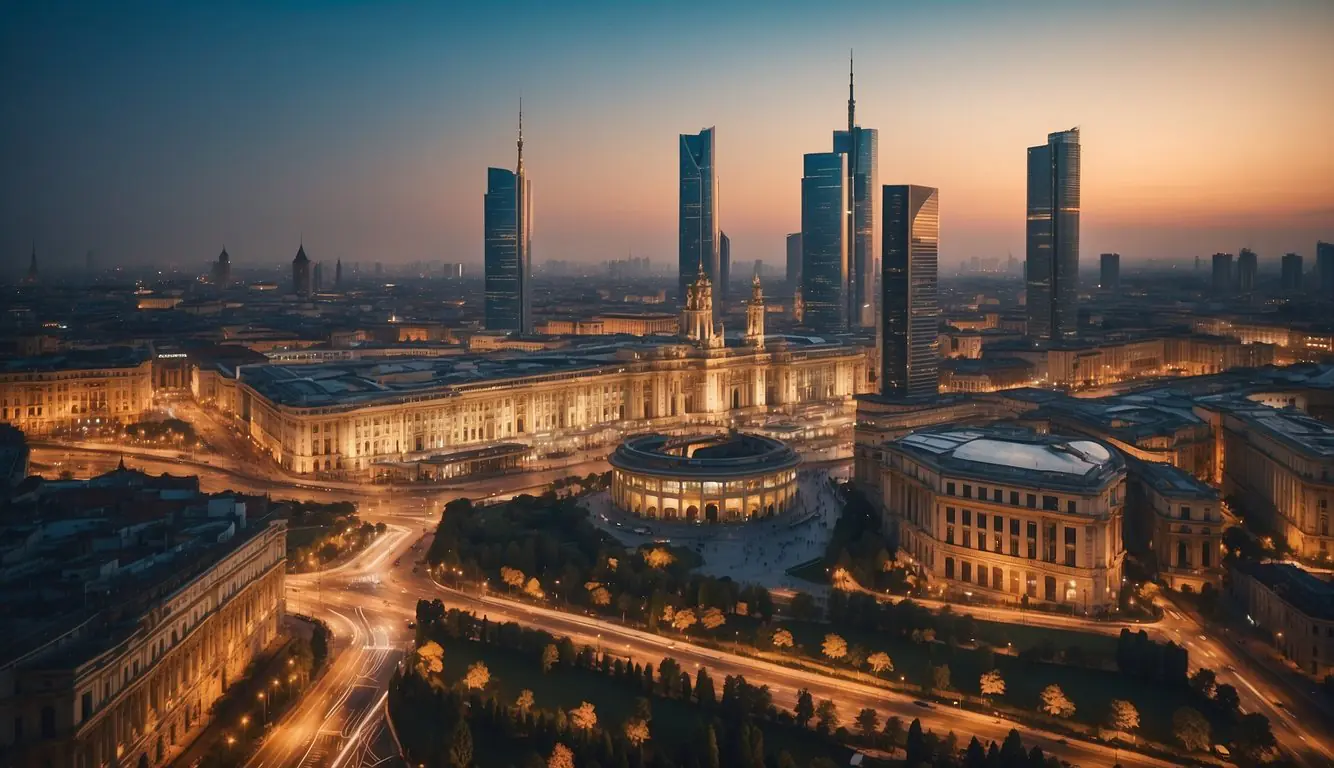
<point>824,240</point>
<point>909,310</point>
<point>794,259</point>
<point>864,223</point>
<point>1052,235</point>
<point>724,270</point>
<point>508,247</point>
<point>698,244</point>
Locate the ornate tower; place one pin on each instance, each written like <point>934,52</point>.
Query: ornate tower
<point>301,272</point>
<point>755,315</point>
<point>697,314</point>
<point>31,277</point>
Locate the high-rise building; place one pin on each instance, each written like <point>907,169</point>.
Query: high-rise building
<point>222,269</point>
<point>824,240</point>
<point>724,269</point>
<point>1324,267</point>
<point>1053,237</point>
<point>1222,274</point>
<point>698,243</point>
<point>338,275</point>
<point>1109,272</point>
<point>317,277</point>
<point>508,255</point>
<point>909,312</point>
<point>1247,267</point>
<point>1292,273</point>
<point>860,145</point>
<point>301,272</point>
<point>31,277</point>
<point>794,259</point>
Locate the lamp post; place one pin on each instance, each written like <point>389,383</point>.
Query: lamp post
<point>264,707</point>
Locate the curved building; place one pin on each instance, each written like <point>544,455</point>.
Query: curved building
<point>727,478</point>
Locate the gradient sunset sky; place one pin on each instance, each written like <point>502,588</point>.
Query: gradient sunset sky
<point>158,132</point>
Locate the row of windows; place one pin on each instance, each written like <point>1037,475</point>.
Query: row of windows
<point>1030,500</point>
<point>970,536</point>
<point>994,578</point>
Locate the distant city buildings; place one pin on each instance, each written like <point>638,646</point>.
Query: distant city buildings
<point>508,247</point>
<point>79,388</point>
<point>1222,274</point>
<point>793,273</point>
<point>1324,267</point>
<point>1109,272</point>
<point>452,270</point>
<point>338,275</point>
<point>698,213</point>
<point>301,272</point>
<point>1247,270</point>
<point>222,269</point>
<point>1052,234</point>
<point>724,267</point>
<point>910,317</point>
<point>824,241</point>
<point>1291,274</point>
<point>317,277</point>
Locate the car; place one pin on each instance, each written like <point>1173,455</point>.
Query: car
<point>923,704</point>
<point>412,624</point>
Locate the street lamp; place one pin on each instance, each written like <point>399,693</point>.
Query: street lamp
<point>264,707</point>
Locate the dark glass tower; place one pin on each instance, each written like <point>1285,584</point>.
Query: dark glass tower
<point>698,244</point>
<point>1324,267</point>
<point>794,259</point>
<point>1222,274</point>
<point>724,270</point>
<point>1292,274</point>
<point>824,241</point>
<point>1109,271</point>
<point>909,312</point>
<point>1053,237</point>
<point>861,147</point>
<point>1248,267</point>
<point>508,247</point>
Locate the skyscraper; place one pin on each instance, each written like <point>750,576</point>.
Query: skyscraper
<point>909,313</point>
<point>301,272</point>
<point>317,277</point>
<point>698,243</point>
<point>1222,274</point>
<point>824,240</point>
<point>338,275</point>
<point>1053,237</point>
<point>508,246</point>
<point>860,145</point>
<point>1247,268</point>
<point>794,259</point>
<point>1292,274</point>
<point>1324,267</point>
<point>1109,274</point>
<point>724,269</point>
<point>222,269</point>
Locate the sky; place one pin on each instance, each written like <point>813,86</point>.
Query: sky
<point>160,132</point>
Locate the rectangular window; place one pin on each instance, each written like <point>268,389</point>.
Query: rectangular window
<point>982,520</point>
<point>85,706</point>
<point>997,578</point>
<point>982,539</point>
<point>967,491</point>
<point>1032,501</point>
<point>949,514</point>
<point>1049,542</point>
<point>1070,546</point>
<point>996,495</point>
<point>981,576</point>
<point>1014,498</point>
<point>949,534</point>
<point>1032,541</point>
<point>996,544</point>
<point>949,567</point>
<point>1014,526</point>
<point>997,523</point>
<point>1049,588</point>
<point>1185,512</point>
<point>965,571</point>
<point>1014,546</point>
<point>1014,582</point>
<point>1070,506</point>
<point>949,489</point>
<point>1051,503</point>
<point>1032,584</point>
<point>967,537</point>
<point>968,517</point>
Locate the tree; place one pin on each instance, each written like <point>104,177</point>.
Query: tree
<point>1122,716</point>
<point>534,589</point>
<point>659,557</point>
<point>1227,699</point>
<point>842,580</point>
<point>893,732</point>
<point>512,576</point>
<point>684,619</point>
<point>782,639</point>
<point>868,721</point>
<point>584,717</point>
<point>1204,681</point>
<point>805,708</point>
<point>914,746</point>
<point>880,662</point>
<point>1252,735</point>
<point>713,618</point>
<point>704,693</point>
<point>711,748</point>
<point>1055,702</point>
<point>992,684</point>
<point>600,596</point>
<point>561,757</point>
<point>478,676</point>
<point>1191,729</point>
<point>940,677</point>
<point>636,732</point>
<point>524,702</point>
<point>826,716</point>
<point>460,745</point>
<point>550,655</point>
<point>835,647</point>
<point>430,660</point>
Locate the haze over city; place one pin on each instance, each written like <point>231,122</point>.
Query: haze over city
<point>159,137</point>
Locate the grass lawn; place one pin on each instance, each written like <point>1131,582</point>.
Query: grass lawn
<point>1025,636</point>
<point>566,688</point>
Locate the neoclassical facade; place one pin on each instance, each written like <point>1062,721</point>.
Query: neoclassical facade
<point>726,478</point>
<point>1184,520</point>
<point>79,388</point>
<point>99,696</point>
<point>1008,515</point>
<point>346,417</point>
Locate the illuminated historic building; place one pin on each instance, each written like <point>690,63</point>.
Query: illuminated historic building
<point>120,658</point>
<point>1294,607</point>
<point>75,389</point>
<point>1008,515</point>
<point>713,478</point>
<point>1184,521</point>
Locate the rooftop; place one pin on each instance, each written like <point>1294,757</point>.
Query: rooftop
<point>1016,455</point>
<point>736,453</point>
<point>1171,481</point>
<point>77,360</point>
<point>1302,589</point>
<point>1304,434</point>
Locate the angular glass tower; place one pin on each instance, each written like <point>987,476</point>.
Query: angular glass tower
<point>698,243</point>
<point>1053,237</point>
<point>824,240</point>
<point>724,270</point>
<point>508,247</point>
<point>910,313</point>
<point>861,149</point>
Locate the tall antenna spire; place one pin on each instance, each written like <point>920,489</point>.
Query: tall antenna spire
<point>520,168</point>
<point>852,103</point>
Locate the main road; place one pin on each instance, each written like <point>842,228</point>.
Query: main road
<point>369,601</point>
